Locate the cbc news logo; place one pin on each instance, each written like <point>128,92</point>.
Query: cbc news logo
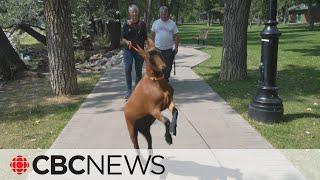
<point>60,165</point>
<point>19,164</point>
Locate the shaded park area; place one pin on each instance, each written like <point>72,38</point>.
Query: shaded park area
<point>298,80</point>
<point>43,116</point>
<point>32,117</point>
<point>53,53</point>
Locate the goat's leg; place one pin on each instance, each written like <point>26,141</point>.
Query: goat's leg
<point>133,133</point>
<point>165,120</point>
<point>174,111</point>
<point>147,135</point>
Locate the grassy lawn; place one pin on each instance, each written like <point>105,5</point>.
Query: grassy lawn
<point>298,79</point>
<point>31,116</point>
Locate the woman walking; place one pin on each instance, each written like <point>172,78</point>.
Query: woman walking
<point>134,33</point>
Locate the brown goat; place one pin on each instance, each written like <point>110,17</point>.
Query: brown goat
<point>151,96</point>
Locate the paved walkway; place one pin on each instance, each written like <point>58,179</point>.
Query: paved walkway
<point>205,121</point>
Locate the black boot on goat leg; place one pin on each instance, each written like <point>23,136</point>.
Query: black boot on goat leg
<point>168,135</point>
<point>143,126</point>
<point>173,125</point>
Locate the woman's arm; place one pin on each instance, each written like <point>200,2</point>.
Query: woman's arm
<point>125,35</point>
<point>127,42</point>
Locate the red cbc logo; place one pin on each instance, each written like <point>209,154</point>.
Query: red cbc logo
<point>19,164</point>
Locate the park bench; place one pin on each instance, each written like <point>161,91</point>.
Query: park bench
<point>203,35</point>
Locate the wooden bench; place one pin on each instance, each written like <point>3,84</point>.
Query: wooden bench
<point>203,35</point>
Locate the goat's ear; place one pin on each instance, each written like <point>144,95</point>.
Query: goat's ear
<point>150,43</point>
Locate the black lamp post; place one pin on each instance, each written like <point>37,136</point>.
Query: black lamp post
<point>267,106</point>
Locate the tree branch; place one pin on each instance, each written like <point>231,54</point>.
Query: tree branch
<point>41,28</point>
<point>26,28</point>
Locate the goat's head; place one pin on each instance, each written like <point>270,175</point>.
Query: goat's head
<point>152,56</point>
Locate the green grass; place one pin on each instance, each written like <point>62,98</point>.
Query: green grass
<point>298,78</point>
<point>31,117</point>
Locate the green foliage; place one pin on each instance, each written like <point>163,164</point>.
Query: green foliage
<point>18,11</point>
<point>190,10</point>
<point>282,3</point>
<point>311,1</point>
<point>82,11</point>
<point>259,9</point>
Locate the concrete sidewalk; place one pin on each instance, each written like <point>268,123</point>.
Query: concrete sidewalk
<point>205,119</point>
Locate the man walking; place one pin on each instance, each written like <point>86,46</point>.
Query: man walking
<point>165,35</point>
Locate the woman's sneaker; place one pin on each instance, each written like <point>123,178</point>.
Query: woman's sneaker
<point>126,97</point>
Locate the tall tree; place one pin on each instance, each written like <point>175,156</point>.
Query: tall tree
<point>311,14</point>
<point>23,15</point>
<point>60,47</point>
<point>161,3</point>
<point>208,7</point>
<point>10,62</point>
<point>114,25</point>
<point>190,10</point>
<point>258,9</point>
<point>284,9</point>
<point>312,5</point>
<point>234,52</point>
<point>148,14</point>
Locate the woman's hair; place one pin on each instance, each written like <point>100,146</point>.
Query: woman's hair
<point>164,9</point>
<point>133,7</point>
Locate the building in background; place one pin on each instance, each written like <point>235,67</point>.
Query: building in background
<point>298,12</point>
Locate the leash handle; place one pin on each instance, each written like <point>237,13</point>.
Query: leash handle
<point>134,48</point>
<point>174,67</point>
<point>174,62</point>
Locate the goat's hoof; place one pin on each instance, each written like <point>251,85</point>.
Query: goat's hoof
<point>168,139</point>
<point>173,130</point>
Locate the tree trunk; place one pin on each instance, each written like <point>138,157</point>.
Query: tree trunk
<point>10,62</point>
<point>148,17</point>
<point>26,28</point>
<point>101,26</point>
<point>114,25</point>
<point>114,29</point>
<point>208,18</point>
<point>221,19</point>
<point>161,3</point>
<point>178,10</point>
<point>63,75</point>
<point>93,26</point>
<point>285,12</point>
<point>311,16</point>
<point>234,52</point>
